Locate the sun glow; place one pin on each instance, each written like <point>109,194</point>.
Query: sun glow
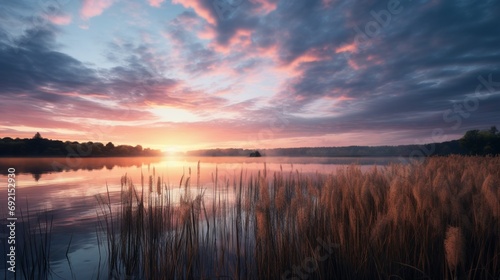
<point>171,150</point>
<point>174,114</point>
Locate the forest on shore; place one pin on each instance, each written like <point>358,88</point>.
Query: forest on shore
<point>474,142</point>
<point>43,147</point>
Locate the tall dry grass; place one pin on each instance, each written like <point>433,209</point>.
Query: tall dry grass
<point>435,220</point>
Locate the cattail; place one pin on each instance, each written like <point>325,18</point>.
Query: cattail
<point>158,185</point>
<point>281,198</point>
<point>420,196</point>
<point>296,203</point>
<point>489,190</point>
<point>185,213</point>
<point>264,200</point>
<point>394,197</point>
<point>467,184</point>
<point>312,188</point>
<point>302,218</point>
<point>440,181</point>
<point>454,246</point>
<point>262,223</point>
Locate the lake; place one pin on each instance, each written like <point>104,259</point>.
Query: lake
<point>64,191</point>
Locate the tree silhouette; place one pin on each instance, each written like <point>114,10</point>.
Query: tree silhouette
<point>39,146</point>
<point>255,154</point>
<point>110,146</point>
<point>481,142</point>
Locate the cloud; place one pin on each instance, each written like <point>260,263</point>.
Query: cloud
<point>92,8</point>
<point>408,74</point>
<point>410,59</point>
<point>202,8</point>
<point>56,15</point>
<point>47,79</point>
<point>341,67</point>
<point>265,6</point>
<point>155,3</point>
<point>60,19</point>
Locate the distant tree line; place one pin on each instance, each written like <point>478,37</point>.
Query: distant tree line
<point>231,152</point>
<point>482,142</point>
<point>39,147</point>
<point>474,142</point>
<point>445,148</point>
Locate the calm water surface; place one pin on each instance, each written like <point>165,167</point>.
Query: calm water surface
<point>65,191</point>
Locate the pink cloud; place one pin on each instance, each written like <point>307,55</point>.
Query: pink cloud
<point>92,8</point>
<point>242,37</point>
<point>156,3</point>
<point>310,56</point>
<point>353,64</point>
<point>265,6</point>
<point>241,40</point>
<point>59,19</point>
<point>347,48</point>
<point>201,9</point>
<point>375,60</point>
<point>207,33</point>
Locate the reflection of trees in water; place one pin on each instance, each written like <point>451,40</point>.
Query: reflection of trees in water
<point>36,176</point>
<point>39,166</point>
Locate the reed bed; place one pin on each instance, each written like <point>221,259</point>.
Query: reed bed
<point>33,246</point>
<point>434,220</point>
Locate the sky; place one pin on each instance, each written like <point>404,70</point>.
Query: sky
<point>180,75</point>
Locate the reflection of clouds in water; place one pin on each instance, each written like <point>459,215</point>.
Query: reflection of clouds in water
<point>83,253</point>
<point>71,197</point>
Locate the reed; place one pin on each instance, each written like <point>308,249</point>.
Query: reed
<point>454,249</point>
<point>438,219</point>
<point>34,247</point>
